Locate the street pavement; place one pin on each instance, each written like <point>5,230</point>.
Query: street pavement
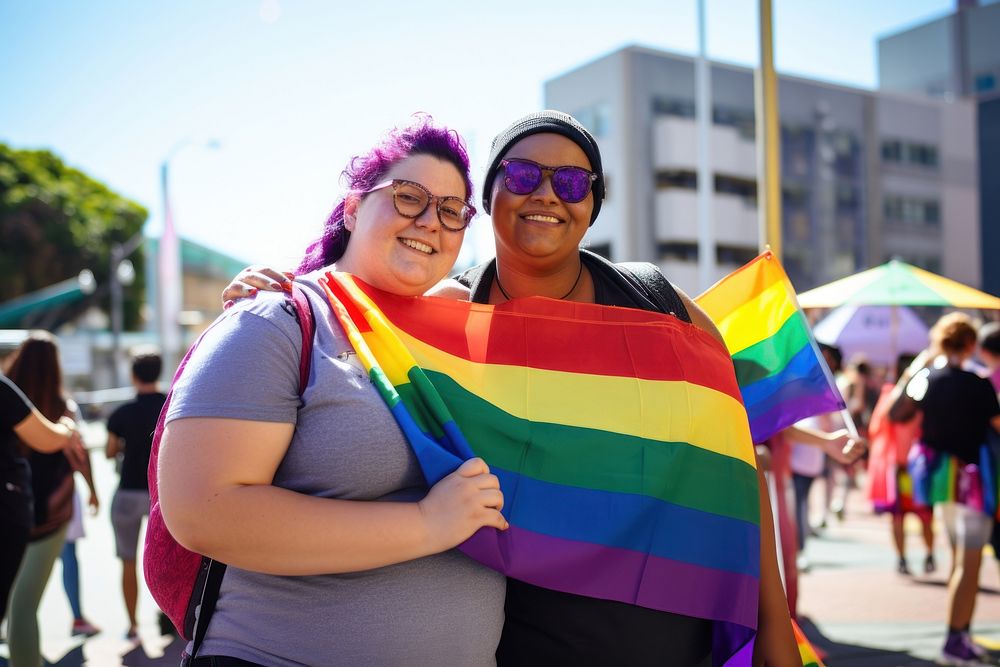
<point>852,603</point>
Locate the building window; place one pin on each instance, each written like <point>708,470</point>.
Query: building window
<point>741,119</point>
<point>892,151</point>
<point>922,155</point>
<point>733,255</point>
<point>985,82</point>
<point>673,106</point>
<point>925,156</point>
<point>678,252</point>
<point>676,179</point>
<point>910,211</point>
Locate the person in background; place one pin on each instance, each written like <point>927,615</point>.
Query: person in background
<point>21,422</point>
<point>860,387</point>
<point>889,484</point>
<point>130,434</point>
<point>34,368</point>
<point>989,354</point>
<point>959,408</point>
<point>71,564</point>
<point>835,362</point>
<point>806,462</point>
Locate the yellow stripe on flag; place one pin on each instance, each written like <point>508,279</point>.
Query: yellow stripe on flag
<point>740,286</point>
<point>755,320</point>
<point>606,403</point>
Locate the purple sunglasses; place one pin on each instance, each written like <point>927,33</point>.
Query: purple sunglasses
<point>571,184</point>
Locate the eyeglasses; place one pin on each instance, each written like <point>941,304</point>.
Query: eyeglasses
<point>412,199</point>
<point>571,184</point>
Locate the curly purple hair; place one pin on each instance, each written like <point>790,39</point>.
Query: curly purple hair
<point>421,137</point>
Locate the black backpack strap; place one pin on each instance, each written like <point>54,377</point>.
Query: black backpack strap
<point>209,580</point>
<point>659,288</point>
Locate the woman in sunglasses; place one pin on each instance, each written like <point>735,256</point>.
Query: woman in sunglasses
<point>337,552</point>
<point>544,188</point>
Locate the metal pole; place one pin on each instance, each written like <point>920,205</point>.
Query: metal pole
<point>119,253</point>
<point>168,281</point>
<point>768,138</point>
<point>706,184</point>
<point>169,277</point>
<point>116,314</point>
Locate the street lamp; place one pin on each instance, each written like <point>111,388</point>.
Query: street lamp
<point>122,274</point>
<point>169,278</point>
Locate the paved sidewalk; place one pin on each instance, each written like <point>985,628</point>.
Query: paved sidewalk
<point>858,609</point>
<point>852,603</point>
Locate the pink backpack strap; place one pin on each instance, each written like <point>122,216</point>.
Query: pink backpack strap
<point>307,324</point>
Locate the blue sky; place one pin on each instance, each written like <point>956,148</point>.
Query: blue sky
<point>292,89</point>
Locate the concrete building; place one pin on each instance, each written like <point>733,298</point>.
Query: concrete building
<point>958,56</point>
<point>866,175</point>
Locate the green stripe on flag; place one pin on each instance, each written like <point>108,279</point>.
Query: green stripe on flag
<point>678,473</point>
<point>771,355</point>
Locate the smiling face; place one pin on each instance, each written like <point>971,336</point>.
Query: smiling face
<point>539,229</point>
<point>397,254</point>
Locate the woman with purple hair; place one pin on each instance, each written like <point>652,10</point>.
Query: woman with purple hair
<point>544,189</point>
<point>337,553</point>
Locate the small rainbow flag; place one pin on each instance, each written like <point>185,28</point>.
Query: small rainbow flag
<point>781,374</point>
<point>618,436</point>
<point>806,650</point>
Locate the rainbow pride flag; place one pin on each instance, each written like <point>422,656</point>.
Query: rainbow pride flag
<point>806,650</point>
<point>781,374</point>
<point>618,436</point>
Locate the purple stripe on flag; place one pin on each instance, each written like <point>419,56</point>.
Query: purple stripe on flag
<point>781,416</point>
<point>617,574</point>
<point>742,658</point>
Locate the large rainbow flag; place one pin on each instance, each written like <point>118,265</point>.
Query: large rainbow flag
<point>618,435</point>
<point>781,374</point>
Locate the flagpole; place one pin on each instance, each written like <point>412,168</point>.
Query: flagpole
<point>768,137</point>
<point>706,184</point>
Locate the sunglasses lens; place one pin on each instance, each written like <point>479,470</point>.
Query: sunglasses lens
<point>522,178</point>
<point>571,184</point>
<point>410,200</point>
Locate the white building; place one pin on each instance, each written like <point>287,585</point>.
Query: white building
<point>866,175</point>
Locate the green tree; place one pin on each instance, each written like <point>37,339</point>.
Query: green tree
<point>56,221</point>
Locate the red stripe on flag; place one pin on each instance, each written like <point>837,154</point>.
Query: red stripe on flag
<point>495,335</point>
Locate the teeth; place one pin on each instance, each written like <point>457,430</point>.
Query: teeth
<point>417,245</point>
<point>542,218</point>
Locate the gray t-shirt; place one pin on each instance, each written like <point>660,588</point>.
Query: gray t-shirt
<point>444,609</point>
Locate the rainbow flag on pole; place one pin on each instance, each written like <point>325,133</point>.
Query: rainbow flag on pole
<point>781,374</point>
<point>618,435</point>
<point>806,651</point>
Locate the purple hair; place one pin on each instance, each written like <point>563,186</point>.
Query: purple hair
<point>421,137</point>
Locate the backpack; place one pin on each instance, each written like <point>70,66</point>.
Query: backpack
<point>184,584</point>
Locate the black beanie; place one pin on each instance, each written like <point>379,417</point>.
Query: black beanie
<point>555,122</point>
